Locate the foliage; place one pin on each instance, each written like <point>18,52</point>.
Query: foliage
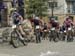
<point>37,7</point>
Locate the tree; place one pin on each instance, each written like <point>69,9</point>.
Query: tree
<point>37,7</point>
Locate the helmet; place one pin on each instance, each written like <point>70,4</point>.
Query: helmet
<point>37,18</point>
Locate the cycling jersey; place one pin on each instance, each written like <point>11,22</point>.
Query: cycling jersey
<point>54,24</point>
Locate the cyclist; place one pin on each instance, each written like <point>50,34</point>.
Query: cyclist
<point>17,20</point>
<point>54,23</point>
<point>68,23</point>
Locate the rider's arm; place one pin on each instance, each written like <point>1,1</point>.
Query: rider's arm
<point>21,18</point>
<point>20,25</point>
<point>21,29</point>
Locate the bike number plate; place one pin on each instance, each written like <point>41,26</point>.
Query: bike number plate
<point>45,30</point>
<point>53,29</point>
<point>69,28</point>
<point>37,27</point>
<point>14,26</point>
<point>65,31</point>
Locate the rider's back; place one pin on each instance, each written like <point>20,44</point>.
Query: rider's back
<point>67,22</point>
<point>27,24</point>
<point>36,22</point>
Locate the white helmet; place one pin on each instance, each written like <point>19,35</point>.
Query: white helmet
<point>37,18</point>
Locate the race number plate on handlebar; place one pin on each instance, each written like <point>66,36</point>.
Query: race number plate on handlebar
<point>14,26</point>
<point>65,31</point>
<point>69,28</point>
<point>45,30</point>
<point>37,27</point>
<point>52,28</point>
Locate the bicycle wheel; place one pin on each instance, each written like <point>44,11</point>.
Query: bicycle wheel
<point>15,40</point>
